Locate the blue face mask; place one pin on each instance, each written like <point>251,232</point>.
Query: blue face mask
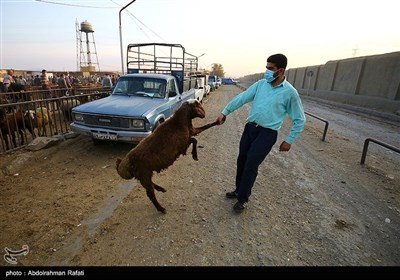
<point>269,75</point>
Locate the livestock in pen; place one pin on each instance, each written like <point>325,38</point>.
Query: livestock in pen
<point>39,118</point>
<point>159,150</point>
<point>10,123</point>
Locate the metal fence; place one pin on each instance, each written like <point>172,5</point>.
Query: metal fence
<point>383,144</point>
<point>28,114</point>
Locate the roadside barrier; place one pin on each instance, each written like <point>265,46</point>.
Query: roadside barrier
<point>321,119</point>
<point>366,143</point>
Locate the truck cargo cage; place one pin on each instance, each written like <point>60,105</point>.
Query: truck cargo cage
<point>162,58</point>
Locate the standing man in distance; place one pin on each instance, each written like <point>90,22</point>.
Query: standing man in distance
<point>106,82</point>
<point>8,79</point>
<point>44,80</point>
<point>272,99</point>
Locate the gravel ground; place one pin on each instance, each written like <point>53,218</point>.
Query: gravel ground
<point>313,206</point>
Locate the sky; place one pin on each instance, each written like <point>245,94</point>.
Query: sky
<point>239,35</point>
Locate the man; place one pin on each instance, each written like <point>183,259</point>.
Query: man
<point>106,82</point>
<point>44,80</point>
<point>8,79</point>
<point>68,80</point>
<point>37,81</point>
<point>272,99</point>
<point>62,84</point>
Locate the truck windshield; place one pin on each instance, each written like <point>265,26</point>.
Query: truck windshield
<point>140,86</point>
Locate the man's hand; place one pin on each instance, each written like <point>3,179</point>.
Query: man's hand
<point>284,147</point>
<point>221,119</point>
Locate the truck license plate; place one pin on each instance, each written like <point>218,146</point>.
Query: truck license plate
<point>105,136</point>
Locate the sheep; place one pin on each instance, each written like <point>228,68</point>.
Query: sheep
<point>11,123</point>
<point>38,118</point>
<point>160,149</point>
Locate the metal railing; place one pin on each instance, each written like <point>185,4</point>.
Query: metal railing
<point>321,119</point>
<point>17,108</point>
<point>366,143</point>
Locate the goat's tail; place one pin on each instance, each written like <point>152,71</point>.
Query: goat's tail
<point>124,170</point>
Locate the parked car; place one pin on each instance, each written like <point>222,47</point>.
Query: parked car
<point>202,84</point>
<point>199,90</point>
<point>202,89</point>
<point>228,81</point>
<point>219,81</point>
<point>212,81</point>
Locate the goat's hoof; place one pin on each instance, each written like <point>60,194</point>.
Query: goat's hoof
<point>159,188</point>
<point>195,157</point>
<point>162,210</point>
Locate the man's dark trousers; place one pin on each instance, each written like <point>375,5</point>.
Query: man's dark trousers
<point>255,144</point>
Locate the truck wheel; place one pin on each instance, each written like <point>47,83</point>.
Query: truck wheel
<point>157,124</point>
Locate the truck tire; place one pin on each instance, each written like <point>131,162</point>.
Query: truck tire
<point>157,124</point>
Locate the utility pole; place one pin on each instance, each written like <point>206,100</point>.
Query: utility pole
<point>355,50</point>
<point>120,37</point>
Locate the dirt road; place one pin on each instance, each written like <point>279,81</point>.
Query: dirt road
<point>313,206</point>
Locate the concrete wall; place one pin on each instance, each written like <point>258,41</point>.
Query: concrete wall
<point>369,81</point>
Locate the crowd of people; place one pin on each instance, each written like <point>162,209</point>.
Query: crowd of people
<point>12,83</point>
<point>16,88</point>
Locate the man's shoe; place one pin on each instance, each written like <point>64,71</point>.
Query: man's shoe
<point>231,194</point>
<point>239,207</point>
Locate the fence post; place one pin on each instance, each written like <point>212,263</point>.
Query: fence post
<point>365,149</point>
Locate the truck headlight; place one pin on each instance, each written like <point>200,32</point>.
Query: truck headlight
<point>78,117</point>
<point>135,123</point>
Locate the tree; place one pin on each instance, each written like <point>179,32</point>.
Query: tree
<point>218,70</point>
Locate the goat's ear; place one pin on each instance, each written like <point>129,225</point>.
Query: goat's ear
<point>198,110</point>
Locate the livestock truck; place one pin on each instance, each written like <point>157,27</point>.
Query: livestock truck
<point>160,77</point>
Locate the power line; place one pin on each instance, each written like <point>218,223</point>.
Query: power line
<point>145,26</point>
<point>74,5</point>
<point>97,7</point>
<point>135,18</point>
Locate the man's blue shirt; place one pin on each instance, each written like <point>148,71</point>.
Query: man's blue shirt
<point>271,105</point>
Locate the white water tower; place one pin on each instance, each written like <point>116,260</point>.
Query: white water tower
<point>87,47</point>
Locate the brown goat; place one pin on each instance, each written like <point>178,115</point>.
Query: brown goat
<point>39,118</point>
<point>11,123</point>
<point>66,106</point>
<point>159,150</point>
